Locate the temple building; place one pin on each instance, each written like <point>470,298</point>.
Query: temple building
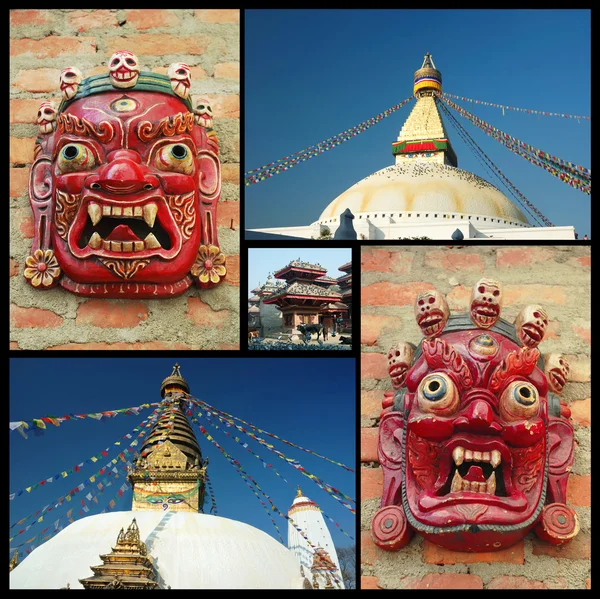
<point>303,300</point>
<point>165,541</point>
<point>424,193</point>
<point>323,564</point>
<point>345,284</point>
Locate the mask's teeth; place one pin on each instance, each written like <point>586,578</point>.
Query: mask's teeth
<point>151,242</point>
<point>491,484</point>
<point>457,483</point>
<point>458,455</point>
<point>495,458</point>
<point>150,211</point>
<point>95,212</point>
<point>95,241</point>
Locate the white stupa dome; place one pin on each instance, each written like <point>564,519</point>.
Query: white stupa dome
<point>426,191</point>
<point>188,550</point>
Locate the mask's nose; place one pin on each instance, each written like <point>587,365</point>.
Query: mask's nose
<point>123,174</point>
<point>479,415</point>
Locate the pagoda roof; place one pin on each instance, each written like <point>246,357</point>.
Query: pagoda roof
<point>346,267</point>
<point>306,290</point>
<point>300,265</point>
<point>254,298</point>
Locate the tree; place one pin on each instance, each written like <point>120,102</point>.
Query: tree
<point>347,559</point>
<point>325,233</point>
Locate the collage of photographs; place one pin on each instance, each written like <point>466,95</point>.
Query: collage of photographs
<point>173,169</point>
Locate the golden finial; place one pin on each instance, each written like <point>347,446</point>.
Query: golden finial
<point>298,492</point>
<point>14,562</point>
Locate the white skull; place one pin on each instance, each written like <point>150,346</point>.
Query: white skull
<point>124,69</point>
<point>70,78</point>
<point>531,324</point>
<point>203,114</point>
<point>400,359</point>
<point>557,371</point>
<point>431,312</point>
<point>46,117</point>
<point>181,79</point>
<point>486,301</point>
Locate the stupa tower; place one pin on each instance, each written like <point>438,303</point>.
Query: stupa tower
<point>170,473</point>
<point>322,562</point>
<point>423,135</point>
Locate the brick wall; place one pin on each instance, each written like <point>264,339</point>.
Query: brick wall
<point>558,278</point>
<point>42,43</point>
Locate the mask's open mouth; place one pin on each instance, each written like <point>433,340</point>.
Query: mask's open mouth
<point>431,323</point>
<point>130,229</point>
<point>533,333</point>
<point>484,312</point>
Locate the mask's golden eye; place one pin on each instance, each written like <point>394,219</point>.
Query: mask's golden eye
<point>75,157</point>
<point>175,157</point>
<point>519,401</point>
<point>437,394</point>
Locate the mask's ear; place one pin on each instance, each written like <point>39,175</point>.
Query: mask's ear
<point>560,458</point>
<point>209,179</point>
<point>40,196</point>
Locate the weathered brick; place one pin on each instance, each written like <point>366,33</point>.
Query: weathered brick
<point>142,19</point>
<point>373,366</point>
<point>579,490</point>
<point>588,583</point>
<point>217,15</point>
<point>432,554</point>
<point>113,314</point>
<point>371,326</point>
<point>378,260</point>
<point>26,226</point>
<point>534,294</point>
<point>29,17</point>
<point>25,111</point>
<point>227,70</point>
<point>83,21</point>
<point>371,483</point>
<point>13,345</point>
<point>21,150</point>
<point>581,411</point>
<point>579,548</point>
<point>459,298</point>
<point>370,403</point>
<point>151,345</point>
<point>447,581</point>
<point>18,182</point>
<point>38,80</point>
<point>515,582</point>
<point>13,268</point>
<point>33,318</point>
<point>229,346</point>
<point>53,46</point>
<point>392,294</point>
<point>226,106</point>
<point>226,211</point>
<point>581,262</point>
<point>231,173</point>
<point>155,44</point>
<point>203,315</point>
<point>583,331</point>
<point>453,261</point>
<point>581,368</point>
<point>517,257</point>
<point>369,438</point>
<point>233,270</point>
<point>370,554</point>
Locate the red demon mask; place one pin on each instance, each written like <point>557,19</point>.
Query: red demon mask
<point>474,448</point>
<point>124,187</point>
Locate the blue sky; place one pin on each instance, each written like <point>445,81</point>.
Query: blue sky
<point>311,74</point>
<point>261,261</point>
<point>310,402</point>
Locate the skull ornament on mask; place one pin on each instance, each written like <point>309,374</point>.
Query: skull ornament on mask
<point>400,357</point>
<point>124,189</point>
<point>46,118</point>
<point>557,371</point>
<point>181,78</point>
<point>431,312</point>
<point>70,78</point>
<point>203,113</point>
<point>124,69</point>
<point>486,301</point>
<point>531,324</point>
<point>473,452</point>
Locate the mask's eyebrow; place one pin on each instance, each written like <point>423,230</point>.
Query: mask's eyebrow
<point>168,126</point>
<point>104,131</point>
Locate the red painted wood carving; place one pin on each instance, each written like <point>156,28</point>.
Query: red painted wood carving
<point>125,185</point>
<point>474,444</point>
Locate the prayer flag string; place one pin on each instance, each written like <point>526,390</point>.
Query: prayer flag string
<point>512,108</point>
<point>283,164</point>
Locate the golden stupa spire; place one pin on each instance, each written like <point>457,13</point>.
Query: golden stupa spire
<point>299,492</point>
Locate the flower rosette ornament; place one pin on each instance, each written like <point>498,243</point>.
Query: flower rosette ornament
<point>42,269</point>
<point>125,185</point>
<point>475,445</point>
<point>209,269</point>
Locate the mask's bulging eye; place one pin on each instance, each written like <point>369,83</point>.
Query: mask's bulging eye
<point>437,393</point>
<point>75,157</point>
<point>175,157</point>
<point>520,400</point>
